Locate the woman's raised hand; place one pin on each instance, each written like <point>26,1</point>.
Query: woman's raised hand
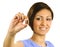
<point>17,23</point>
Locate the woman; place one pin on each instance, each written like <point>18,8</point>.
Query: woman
<point>39,18</point>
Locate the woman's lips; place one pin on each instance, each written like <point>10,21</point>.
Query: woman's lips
<point>43,28</point>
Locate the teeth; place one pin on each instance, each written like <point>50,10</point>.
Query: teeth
<point>43,28</point>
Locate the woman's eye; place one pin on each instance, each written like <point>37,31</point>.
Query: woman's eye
<point>38,18</point>
<point>48,19</point>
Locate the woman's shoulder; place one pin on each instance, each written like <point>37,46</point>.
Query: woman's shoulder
<point>49,44</point>
<point>19,44</point>
<point>24,43</point>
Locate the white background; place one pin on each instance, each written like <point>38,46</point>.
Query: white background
<point>8,8</point>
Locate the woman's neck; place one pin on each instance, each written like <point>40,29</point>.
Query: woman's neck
<point>40,40</point>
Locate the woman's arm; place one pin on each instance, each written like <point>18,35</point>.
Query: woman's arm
<point>9,41</point>
<point>15,26</point>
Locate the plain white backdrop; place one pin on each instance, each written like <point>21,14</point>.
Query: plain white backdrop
<point>8,9</point>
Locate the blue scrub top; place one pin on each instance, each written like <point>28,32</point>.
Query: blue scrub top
<point>30,43</point>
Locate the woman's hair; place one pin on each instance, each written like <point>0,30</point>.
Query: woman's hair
<point>36,8</point>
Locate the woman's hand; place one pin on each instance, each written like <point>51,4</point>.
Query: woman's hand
<point>17,23</point>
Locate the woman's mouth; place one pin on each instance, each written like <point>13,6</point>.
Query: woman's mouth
<point>43,28</point>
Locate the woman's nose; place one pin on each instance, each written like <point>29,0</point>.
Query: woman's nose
<point>43,22</point>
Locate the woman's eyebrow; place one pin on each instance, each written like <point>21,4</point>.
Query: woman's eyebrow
<point>38,16</point>
<point>49,16</point>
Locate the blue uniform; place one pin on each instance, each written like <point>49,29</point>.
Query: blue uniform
<point>30,43</point>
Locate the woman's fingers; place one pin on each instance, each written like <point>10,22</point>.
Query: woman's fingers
<point>20,18</point>
<point>17,22</point>
<point>23,18</point>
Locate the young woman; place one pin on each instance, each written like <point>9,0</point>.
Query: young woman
<point>39,18</point>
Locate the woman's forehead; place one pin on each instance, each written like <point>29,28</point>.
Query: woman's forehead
<point>43,12</point>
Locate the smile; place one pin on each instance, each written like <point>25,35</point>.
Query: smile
<point>43,28</point>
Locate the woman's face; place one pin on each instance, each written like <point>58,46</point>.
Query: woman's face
<point>42,22</point>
